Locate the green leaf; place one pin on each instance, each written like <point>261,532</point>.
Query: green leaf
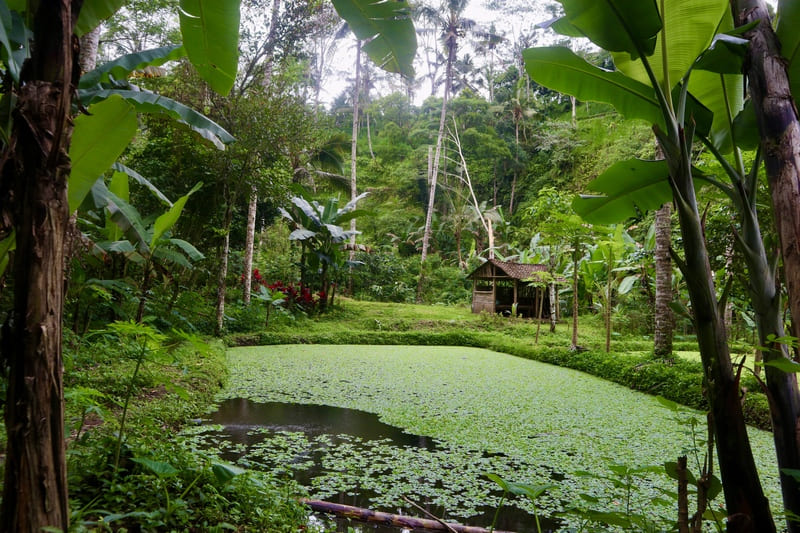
<point>627,26</point>
<point>724,56</point>
<point>98,139</point>
<point>671,468</point>
<point>121,68</point>
<point>210,30</point>
<point>12,34</point>
<point>93,12</point>
<point>669,404</point>
<point>189,249</point>
<point>689,27</point>
<point>714,487</point>
<point>141,180</point>
<point>225,472</point>
<point>745,128</point>
<point>789,37</point>
<point>627,284</point>
<point>784,364</point>
<point>165,222</point>
<point>118,186</point>
<point>122,214</point>
<point>629,188</point>
<point>167,255</point>
<point>717,82</point>
<point>7,245</point>
<point>558,68</point>
<point>147,102</point>
<point>159,468</point>
<point>387,27</point>
<point>792,472</point>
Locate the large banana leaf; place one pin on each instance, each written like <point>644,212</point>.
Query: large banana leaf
<point>14,37</point>
<point>93,12</point>
<point>165,222</point>
<point>716,81</point>
<point>124,215</point>
<point>387,27</point>
<point>629,188</point>
<point>119,186</point>
<point>688,28</point>
<point>789,36</point>
<point>625,26</point>
<point>98,139</point>
<point>558,68</point>
<point>147,102</point>
<point>141,180</point>
<point>210,30</point>
<point>121,68</point>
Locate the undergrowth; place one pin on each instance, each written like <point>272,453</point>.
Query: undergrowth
<point>157,481</point>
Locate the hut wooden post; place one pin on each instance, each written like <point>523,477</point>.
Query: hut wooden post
<point>516,300</point>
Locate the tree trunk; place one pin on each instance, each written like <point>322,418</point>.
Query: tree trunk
<point>35,487</point>
<point>223,263</point>
<point>369,137</point>
<point>780,140</point>
<point>576,257</point>
<point>89,44</point>
<point>448,82</point>
<point>747,507</point>
<point>553,311</point>
<point>663,328</point>
<point>353,154</point>
<point>249,242</point>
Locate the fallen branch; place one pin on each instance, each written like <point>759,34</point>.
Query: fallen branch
<point>447,526</point>
<point>388,519</point>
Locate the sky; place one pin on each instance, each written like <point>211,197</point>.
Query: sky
<point>476,10</point>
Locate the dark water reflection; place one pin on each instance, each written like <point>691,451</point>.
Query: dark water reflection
<point>240,417</point>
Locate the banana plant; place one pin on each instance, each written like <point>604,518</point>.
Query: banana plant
<point>150,246</point>
<point>655,46</point>
<point>604,273</point>
<point>319,230</point>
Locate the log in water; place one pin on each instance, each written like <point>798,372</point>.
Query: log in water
<point>388,519</point>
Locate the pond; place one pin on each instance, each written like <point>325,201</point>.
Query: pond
<point>428,423</point>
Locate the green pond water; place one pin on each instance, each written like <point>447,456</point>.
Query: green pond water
<point>461,412</point>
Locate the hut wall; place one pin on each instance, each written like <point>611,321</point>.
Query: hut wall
<point>482,301</point>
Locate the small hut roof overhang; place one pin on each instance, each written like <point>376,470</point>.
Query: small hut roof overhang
<point>495,269</point>
<point>500,286</point>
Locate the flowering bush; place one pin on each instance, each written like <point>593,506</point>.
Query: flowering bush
<point>295,296</point>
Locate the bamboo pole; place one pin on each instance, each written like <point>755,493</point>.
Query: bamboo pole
<point>388,519</point>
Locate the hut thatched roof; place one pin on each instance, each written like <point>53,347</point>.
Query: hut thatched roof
<point>519,271</point>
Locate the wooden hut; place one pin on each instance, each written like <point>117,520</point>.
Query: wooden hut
<point>498,285</point>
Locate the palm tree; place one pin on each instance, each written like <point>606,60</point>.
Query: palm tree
<point>449,18</point>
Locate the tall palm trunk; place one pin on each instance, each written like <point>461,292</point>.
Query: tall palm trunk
<point>663,329</point>
<point>663,318</point>
<point>249,245</point>
<point>222,274</point>
<point>35,487</point>
<point>353,154</point>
